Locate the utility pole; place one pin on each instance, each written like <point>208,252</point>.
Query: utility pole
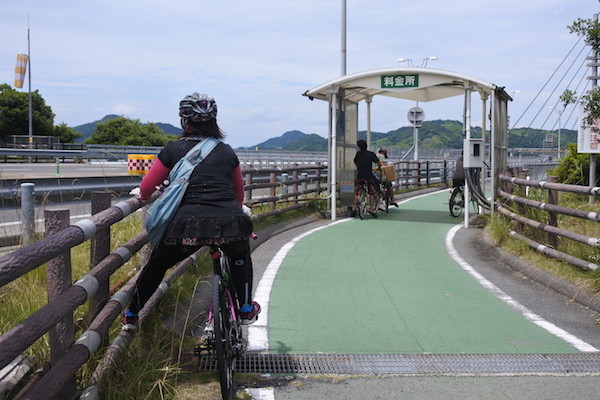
<point>29,97</point>
<point>594,78</point>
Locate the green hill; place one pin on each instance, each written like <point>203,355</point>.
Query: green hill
<point>88,129</point>
<point>438,134</point>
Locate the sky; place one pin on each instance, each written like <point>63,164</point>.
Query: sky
<point>140,58</point>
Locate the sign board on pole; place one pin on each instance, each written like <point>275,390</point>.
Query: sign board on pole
<point>588,137</point>
<point>416,115</point>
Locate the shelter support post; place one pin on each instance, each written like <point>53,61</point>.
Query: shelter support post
<point>333,156</point>
<point>466,144</point>
<point>368,100</point>
<point>484,98</point>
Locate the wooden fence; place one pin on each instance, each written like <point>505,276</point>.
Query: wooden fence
<point>549,225</point>
<point>68,355</point>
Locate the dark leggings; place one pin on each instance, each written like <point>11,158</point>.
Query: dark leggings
<point>164,257</point>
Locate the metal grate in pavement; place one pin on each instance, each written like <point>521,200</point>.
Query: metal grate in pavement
<point>416,364</point>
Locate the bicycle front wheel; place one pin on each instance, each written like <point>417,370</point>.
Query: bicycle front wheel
<point>456,202</point>
<point>223,338</point>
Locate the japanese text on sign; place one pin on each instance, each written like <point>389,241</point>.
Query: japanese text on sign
<point>399,81</point>
<point>588,137</point>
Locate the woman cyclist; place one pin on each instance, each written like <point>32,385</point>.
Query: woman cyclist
<point>210,212</point>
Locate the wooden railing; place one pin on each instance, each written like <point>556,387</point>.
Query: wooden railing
<point>68,355</point>
<point>519,208</point>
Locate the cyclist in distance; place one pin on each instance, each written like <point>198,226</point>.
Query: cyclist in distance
<point>382,154</point>
<point>458,178</point>
<point>364,161</point>
<point>210,213</point>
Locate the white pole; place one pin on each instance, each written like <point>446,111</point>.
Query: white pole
<point>333,167</point>
<point>467,126</point>
<point>368,100</point>
<point>484,98</point>
<point>592,180</point>
<point>415,134</point>
<point>559,114</point>
<point>343,44</point>
<point>493,151</point>
<point>29,96</point>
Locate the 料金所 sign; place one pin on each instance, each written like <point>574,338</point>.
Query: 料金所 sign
<point>399,81</point>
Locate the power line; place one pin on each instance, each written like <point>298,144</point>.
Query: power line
<point>545,84</point>
<point>543,106</point>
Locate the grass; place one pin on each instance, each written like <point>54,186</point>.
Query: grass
<point>159,356</point>
<point>499,228</point>
<point>159,360</point>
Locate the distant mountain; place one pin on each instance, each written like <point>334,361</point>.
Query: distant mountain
<point>88,129</point>
<point>433,134</point>
<point>282,141</point>
<point>168,128</point>
<point>445,134</point>
<point>312,142</point>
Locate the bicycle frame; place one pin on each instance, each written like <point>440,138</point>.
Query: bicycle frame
<point>223,338</point>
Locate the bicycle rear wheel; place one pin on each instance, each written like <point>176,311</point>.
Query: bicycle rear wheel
<point>387,194</point>
<point>223,337</point>
<point>456,202</point>
<point>363,202</point>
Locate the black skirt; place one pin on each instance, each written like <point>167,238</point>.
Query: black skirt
<point>214,223</point>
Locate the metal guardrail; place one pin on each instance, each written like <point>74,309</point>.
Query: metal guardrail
<point>246,156</point>
<point>66,189</point>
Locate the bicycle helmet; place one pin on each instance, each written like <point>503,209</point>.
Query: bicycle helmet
<point>197,107</point>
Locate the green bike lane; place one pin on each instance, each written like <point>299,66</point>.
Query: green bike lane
<point>389,286</point>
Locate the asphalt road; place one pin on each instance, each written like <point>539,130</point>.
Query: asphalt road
<point>51,170</point>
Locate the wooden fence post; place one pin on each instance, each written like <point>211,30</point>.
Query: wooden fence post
<point>552,216</point>
<point>318,176</point>
<point>295,184</point>
<point>58,279</point>
<point>99,250</point>
<point>248,182</point>
<point>272,191</point>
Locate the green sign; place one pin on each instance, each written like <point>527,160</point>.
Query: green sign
<point>399,81</point>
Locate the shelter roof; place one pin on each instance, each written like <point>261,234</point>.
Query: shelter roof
<point>410,83</point>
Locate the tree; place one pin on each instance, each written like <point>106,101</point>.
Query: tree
<point>567,98</point>
<point>65,134</point>
<point>14,113</point>
<point>574,168</point>
<point>127,132</point>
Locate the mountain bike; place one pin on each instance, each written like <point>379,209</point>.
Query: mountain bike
<point>223,337</point>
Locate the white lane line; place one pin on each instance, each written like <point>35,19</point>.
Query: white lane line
<point>496,291</point>
<point>258,338</point>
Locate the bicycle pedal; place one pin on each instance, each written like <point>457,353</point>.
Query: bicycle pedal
<point>201,349</point>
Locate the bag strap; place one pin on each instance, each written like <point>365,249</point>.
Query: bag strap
<point>195,156</point>
<point>201,150</point>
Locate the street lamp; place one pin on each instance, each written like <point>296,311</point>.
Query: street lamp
<point>559,111</point>
<point>423,64</point>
